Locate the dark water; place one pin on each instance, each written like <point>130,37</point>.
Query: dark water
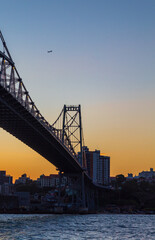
<point>99,226</point>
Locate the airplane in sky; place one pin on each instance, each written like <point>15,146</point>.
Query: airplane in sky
<point>49,51</point>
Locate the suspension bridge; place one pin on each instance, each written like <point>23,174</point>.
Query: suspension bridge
<point>58,142</point>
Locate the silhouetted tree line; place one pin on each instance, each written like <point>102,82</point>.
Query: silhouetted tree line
<point>140,195</point>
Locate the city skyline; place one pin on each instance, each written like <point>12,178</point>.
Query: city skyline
<point>103,59</point>
<point>145,174</point>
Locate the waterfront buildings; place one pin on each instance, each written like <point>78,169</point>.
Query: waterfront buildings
<point>23,200</point>
<point>144,175</point>
<point>51,180</point>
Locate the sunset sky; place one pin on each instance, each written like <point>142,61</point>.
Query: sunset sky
<point>103,58</point>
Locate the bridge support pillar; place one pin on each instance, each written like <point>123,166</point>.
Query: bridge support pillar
<point>83,192</point>
<point>59,190</point>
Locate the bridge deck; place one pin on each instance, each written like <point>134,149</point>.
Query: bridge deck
<point>18,121</point>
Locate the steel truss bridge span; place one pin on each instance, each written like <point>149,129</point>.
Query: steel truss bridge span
<point>20,117</point>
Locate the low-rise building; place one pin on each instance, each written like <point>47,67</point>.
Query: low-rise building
<point>147,174</point>
<point>143,176</point>
<point>51,180</point>
<point>129,177</point>
<point>23,179</point>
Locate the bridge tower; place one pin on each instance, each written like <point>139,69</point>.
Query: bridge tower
<point>60,143</point>
<point>72,125</point>
<point>69,125</point>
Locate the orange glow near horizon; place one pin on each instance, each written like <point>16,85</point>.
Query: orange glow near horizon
<point>124,134</point>
<point>103,59</point>
<point>17,159</point>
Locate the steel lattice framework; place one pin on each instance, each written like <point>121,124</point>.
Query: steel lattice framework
<point>69,126</point>
<point>58,142</point>
<point>13,90</point>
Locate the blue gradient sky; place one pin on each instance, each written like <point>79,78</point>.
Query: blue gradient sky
<point>103,58</point>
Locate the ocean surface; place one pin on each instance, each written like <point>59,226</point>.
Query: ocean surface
<point>93,226</point>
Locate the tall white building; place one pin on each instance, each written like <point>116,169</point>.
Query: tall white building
<point>98,167</point>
